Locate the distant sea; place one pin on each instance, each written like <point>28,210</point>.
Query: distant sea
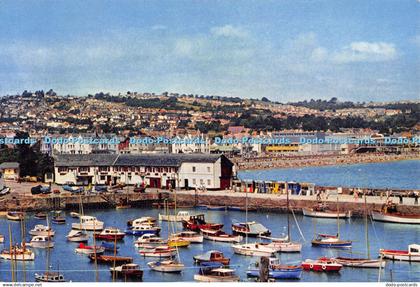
<point>395,175</point>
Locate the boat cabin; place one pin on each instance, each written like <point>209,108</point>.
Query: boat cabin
<point>414,249</point>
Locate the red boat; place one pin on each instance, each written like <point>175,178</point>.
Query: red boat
<point>322,264</point>
<point>110,233</point>
<point>197,222</point>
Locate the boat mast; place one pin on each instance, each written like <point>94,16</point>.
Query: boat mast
<point>246,214</point>
<point>367,229</point>
<point>11,254</point>
<point>288,221</point>
<point>338,219</point>
<point>22,226</point>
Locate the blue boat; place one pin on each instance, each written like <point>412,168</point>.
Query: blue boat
<point>109,246</point>
<point>276,270</point>
<point>142,229</point>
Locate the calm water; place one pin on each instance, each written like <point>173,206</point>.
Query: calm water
<point>398,175</point>
<point>78,267</point>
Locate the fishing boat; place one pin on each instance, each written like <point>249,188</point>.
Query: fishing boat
<point>178,242</point>
<point>18,253</point>
<point>49,277</point>
<point>145,220</point>
<point>40,215</point>
<point>211,256</point>
<point>149,239</point>
<point>216,275</point>
<point>142,229</point>
<point>158,251</point>
<point>88,223</point>
<point>254,249</point>
<point>110,233</point>
<point>322,264</point>
<point>167,266</point>
<point>322,211</point>
<point>85,249</point>
<point>77,236</point>
<point>41,241</point>
<point>220,236</point>
<point>251,228</point>
<point>411,255</point>
<point>43,230</point>
<point>362,262</point>
<point>15,215</point>
<point>110,259</point>
<point>197,222</point>
<point>58,219</point>
<point>130,270</point>
<point>179,217</point>
<point>109,246</point>
<point>395,217</point>
<point>276,270</point>
<point>191,236</point>
<point>330,241</point>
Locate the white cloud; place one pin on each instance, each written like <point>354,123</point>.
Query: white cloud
<point>229,31</point>
<point>365,52</point>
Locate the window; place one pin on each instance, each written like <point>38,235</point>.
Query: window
<point>102,177</point>
<point>201,181</point>
<point>194,181</point>
<point>208,169</point>
<point>62,169</point>
<point>193,168</point>
<point>208,182</point>
<point>83,169</point>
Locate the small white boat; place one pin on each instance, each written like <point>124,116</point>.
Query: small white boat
<point>395,217</point>
<point>254,249</point>
<point>41,241</point>
<point>88,250</point>
<point>15,215</point>
<point>74,215</point>
<point>190,236</point>
<point>179,217</point>
<point>49,277</point>
<point>411,255</point>
<point>77,236</point>
<point>361,262</point>
<point>217,275</point>
<point>42,230</point>
<point>158,251</point>
<point>251,228</point>
<point>287,246</point>
<point>130,270</point>
<point>167,266</point>
<point>220,236</point>
<point>324,213</point>
<point>149,239</point>
<point>18,253</point>
<point>88,223</point>
<point>142,221</point>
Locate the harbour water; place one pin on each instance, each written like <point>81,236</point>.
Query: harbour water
<point>76,267</point>
<point>393,175</point>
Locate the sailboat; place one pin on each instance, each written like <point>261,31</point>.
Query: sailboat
<point>252,249</point>
<point>16,252</point>
<point>78,235</point>
<point>170,266</point>
<point>331,241</point>
<point>363,262</point>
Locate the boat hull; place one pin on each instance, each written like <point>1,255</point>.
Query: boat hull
<point>361,263</point>
<point>49,244</point>
<point>227,239</point>
<point>377,216</point>
<point>338,244</point>
<point>294,273</point>
<point>208,278</point>
<point>247,251</point>
<point>109,237</point>
<point>173,218</point>
<point>319,267</point>
<point>166,268</point>
<point>142,232</point>
<point>90,227</point>
<point>320,214</point>
<point>399,255</point>
<point>18,257</point>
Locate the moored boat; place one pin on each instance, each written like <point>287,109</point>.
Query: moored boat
<point>149,239</point>
<point>110,233</point>
<point>77,236</point>
<point>360,262</point>
<point>251,228</point>
<point>130,270</point>
<point>49,277</point>
<point>74,214</point>
<point>220,236</point>
<point>158,251</point>
<point>41,241</point>
<point>142,229</point>
<point>197,222</point>
<point>167,266</point>
<point>142,221</point>
<point>18,253</point>
<point>322,212</point>
<point>322,264</point>
<point>190,236</point>
<point>411,255</point>
<point>276,270</point>
<point>15,215</point>
<point>239,208</point>
<point>216,207</point>
<point>216,275</point>
<point>58,219</point>
<point>88,223</point>
<point>287,246</point>
<point>178,242</point>
<point>110,258</point>
<point>40,215</point>
<point>254,249</point>
<point>211,256</point>
<point>110,246</point>
<point>179,217</point>
<point>330,241</point>
<point>85,249</point>
<point>395,217</point>
<point>43,230</point>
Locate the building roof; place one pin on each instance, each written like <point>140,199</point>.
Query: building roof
<point>5,165</point>
<point>174,160</point>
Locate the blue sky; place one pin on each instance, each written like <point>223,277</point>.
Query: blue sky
<point>284,50</point>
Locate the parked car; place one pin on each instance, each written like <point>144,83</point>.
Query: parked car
<point>99,188</point>
<point>73,189</point>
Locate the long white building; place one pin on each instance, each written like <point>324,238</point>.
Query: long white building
<point>153,170</point>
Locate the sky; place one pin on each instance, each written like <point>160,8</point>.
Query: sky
<point>285,50</point>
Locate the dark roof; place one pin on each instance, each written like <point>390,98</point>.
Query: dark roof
<point>173,160</point>
<point>9,165</point>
